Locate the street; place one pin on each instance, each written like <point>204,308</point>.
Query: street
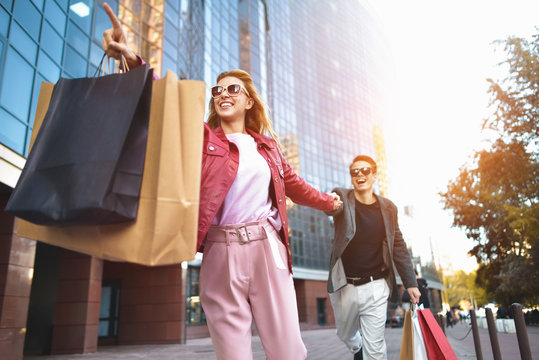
<point>321,344</point>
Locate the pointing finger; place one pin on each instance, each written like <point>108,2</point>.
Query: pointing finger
<point>113,19</point>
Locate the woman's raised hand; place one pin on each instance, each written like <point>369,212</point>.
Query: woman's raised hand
<point>337,202</point>
<point>115,41</point>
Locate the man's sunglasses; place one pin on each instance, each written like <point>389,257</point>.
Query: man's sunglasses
<point>364,170</point>
<point>232,90</point>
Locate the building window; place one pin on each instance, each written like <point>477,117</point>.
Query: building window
<point>109,310</point>
<point>194,315</point>
<point>321,310</point>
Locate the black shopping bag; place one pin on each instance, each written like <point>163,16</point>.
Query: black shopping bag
<point>86,164</point>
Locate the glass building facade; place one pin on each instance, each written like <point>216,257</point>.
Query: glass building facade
<point>318,65</point>
<point>43,40</point>
<point>327,87</point>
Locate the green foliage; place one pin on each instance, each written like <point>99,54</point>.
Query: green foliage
<point>510,280</point>
<point>496,198</point>
<point>517,103</point>
<point>461,286</point>
<point>496,201</point>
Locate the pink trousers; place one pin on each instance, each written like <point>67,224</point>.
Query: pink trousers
<point>245,277</point>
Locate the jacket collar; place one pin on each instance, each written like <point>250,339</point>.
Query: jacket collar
<point>218,131</point>
<point>384,209</point>
<point>384,204</point>
<point>259,138</point>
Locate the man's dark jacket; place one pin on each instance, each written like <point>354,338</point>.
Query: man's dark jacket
<point>395,254</point>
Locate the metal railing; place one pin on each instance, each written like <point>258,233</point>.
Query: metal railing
<point>521,332</point>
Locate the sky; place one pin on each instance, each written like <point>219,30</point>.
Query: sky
<point>442,54</point>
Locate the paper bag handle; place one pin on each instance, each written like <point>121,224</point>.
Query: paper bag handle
<point>124,67</point>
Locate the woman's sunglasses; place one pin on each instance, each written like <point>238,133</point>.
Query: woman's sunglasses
<point>232,90</point>
<point>364,170</point>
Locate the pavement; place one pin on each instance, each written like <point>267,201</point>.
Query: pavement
<point>322,344</point>
<point>509,350</point>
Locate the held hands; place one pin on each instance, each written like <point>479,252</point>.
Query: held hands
<point>415,294</point>
<point>336,200</point>
<point>115,41</point>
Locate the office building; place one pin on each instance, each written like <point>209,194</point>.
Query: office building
<point>320,68</point>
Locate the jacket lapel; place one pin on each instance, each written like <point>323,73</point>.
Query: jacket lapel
<point>351,216</point>
<point>388,223</point>
<point>261,139</point>
<point>218,131</point>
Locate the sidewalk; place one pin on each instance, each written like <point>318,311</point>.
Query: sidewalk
<point>464,348</point>
<point>321,344</point>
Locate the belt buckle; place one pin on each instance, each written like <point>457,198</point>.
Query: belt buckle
<point>240,236</point>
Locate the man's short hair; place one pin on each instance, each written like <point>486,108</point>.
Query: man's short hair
<point>365,158</point>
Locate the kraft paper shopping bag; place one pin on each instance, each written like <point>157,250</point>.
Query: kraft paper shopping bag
<point>165,229</point>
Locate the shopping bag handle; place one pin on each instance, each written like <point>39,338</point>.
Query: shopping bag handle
<point>124,67</point>
<point>123,63</point>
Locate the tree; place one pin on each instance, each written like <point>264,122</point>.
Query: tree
<point>460,286</point>
<point>495,199</point>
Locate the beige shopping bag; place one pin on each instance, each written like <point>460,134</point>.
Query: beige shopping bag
<point>165,230</point>
<point>407,343</point>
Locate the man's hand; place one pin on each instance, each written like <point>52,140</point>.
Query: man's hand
<point>415,294</point>
<point>336,200</point>
<point>115,41</point>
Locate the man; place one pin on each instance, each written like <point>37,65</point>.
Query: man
<point>368,246</point>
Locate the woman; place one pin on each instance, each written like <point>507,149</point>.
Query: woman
<point>243,225</point>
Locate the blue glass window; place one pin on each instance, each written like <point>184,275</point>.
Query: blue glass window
<point>63,3</point>
<point>174,4</point>
<point>77,39</point>
<point>171,32</point>
<point>96,53</point>
<point>56,17</point>
<point>28,138</point>
<point>4,22</point>
<point>102,21</point>
<point>22,42</point>
<point>169,64</point>
<point>171,15</point>
<point>74,64</point>
<point>51,42</point>
<point>48,68</point>
<point>28,16</point>
<point>81,18</point>
<point>92,70</point>
<point>17,85</point>
<point>12,131</point>
<point>109,310</point>
<point>170,49</point>
<point>7,3</point>
<point>35,97</point>
<point>38,4</point>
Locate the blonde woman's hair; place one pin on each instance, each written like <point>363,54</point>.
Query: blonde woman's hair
<point>256,118</point>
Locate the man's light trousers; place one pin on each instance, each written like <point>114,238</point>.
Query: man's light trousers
<point>366,305</point>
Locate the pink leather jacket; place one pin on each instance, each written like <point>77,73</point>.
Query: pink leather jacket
<point>220,160</point>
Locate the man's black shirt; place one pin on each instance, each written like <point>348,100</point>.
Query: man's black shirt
<point>363,254</point>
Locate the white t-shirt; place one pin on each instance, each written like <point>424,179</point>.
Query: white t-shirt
<point>248,199</point>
